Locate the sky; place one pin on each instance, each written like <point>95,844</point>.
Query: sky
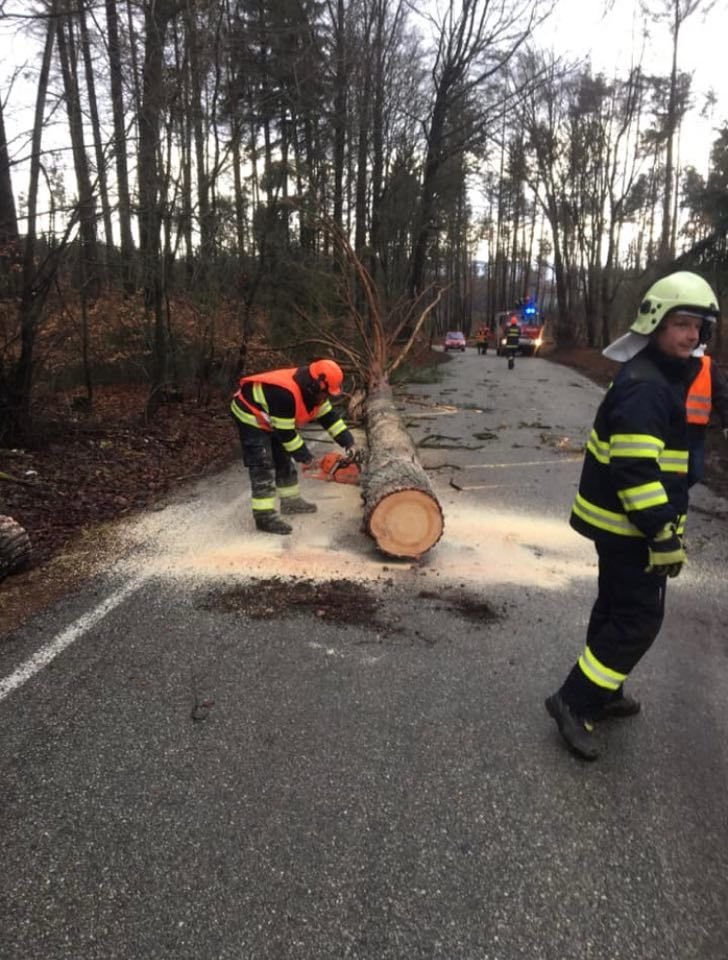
<point>580,28</point>
<point>577,29</point>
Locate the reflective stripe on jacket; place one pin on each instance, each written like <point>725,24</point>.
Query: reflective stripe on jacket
<point>700,400</point>
<point>634,476</point>
<point>513,335</point>
<point>276,378</point>
<point>274,402</point>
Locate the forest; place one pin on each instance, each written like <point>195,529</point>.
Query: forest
<point>195,183</point>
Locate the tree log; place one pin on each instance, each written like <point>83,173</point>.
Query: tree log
<point>401,513</point>
<point>14,547</point>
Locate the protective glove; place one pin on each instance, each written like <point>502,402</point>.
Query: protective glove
<point>351,453</point>
<point>666,554</point>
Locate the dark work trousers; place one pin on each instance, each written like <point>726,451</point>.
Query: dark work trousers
<point>269,466</point>
<point>625,619</point>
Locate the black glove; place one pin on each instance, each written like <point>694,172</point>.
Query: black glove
<point>666,553</point>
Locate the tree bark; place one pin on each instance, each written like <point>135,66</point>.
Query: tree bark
<point>122,175</point>
<point>86,198</point>
<point>8,217</point>
<point>401,513</point>
<point>96,132</point>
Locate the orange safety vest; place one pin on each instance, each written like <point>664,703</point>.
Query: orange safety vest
<point>699,399</point>
<point>277,378</point>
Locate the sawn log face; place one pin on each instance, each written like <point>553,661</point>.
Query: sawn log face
<point>401,511</point>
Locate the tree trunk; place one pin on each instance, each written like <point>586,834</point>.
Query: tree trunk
<point>86,198</point>
<point>15,552</point>
<point>96,132</point>
<point>8,217</point>
<point>15,394</point>
<point>122,175</point>
<point>401,512</point>
<point>340,110</point>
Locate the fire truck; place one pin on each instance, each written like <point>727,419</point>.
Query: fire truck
<point>528,317</point>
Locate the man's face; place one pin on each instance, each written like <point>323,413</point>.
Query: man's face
<point>679,334</point>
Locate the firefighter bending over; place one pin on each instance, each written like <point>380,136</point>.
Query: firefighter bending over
<point>268,408</point>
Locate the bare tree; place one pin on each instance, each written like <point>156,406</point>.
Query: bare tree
<point>8,217</point>
<point>675,13</point>
<point>476,41</point>
<point>120,147</point>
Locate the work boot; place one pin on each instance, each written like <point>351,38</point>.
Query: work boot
<point>576,731</point>
<point>270,522</point>
<point>297,505</point>
<point>621,707</point>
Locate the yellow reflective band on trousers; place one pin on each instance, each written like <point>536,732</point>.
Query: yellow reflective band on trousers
<point>604,519</point>
<point>293,491</point>
<point>600,674</point>
<point>635,445</point>
<point>643,496</point>
<point>263,503</point>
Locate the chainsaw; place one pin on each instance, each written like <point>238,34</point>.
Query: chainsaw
<point>335,466</point>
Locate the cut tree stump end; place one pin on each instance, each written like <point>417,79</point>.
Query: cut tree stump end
<point>406,523</point>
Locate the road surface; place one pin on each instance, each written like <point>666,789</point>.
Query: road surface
<point>241,747</point>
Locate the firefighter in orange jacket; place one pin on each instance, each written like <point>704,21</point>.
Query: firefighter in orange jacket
<point>268,408</point>
<point>708,392</point>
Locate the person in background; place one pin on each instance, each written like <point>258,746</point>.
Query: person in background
<point>268,408</point>
<point>708,392</point>
<point>481,340</point>
<point>632,501</point>
<point>513,337</point>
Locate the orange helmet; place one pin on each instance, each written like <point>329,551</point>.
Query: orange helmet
<point>328,374</point>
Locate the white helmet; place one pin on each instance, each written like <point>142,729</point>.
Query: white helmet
<point>678,291</point>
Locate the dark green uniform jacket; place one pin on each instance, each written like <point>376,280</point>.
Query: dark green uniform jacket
<point>634,477</point>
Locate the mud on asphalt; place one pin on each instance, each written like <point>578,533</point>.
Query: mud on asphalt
<point>341,602</point>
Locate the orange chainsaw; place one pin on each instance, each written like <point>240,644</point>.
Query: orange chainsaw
<point>335,466</point>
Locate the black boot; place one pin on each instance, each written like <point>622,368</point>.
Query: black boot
<point>620,707</point>
<point>270,522</point>
<point>297,505</point>
<point>576,731</point>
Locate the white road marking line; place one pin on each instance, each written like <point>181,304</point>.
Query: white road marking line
<point>41,658</point>
<point>522,463</point>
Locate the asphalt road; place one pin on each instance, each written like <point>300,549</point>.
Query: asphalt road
<point>197,763</point>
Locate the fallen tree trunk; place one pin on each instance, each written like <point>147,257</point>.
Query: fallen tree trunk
<point>14,547</point>
<point>401,513</point>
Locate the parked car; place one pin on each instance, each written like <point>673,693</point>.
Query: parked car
<point>455,340</point>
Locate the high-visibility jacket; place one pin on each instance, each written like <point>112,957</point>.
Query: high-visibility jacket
<point>699,399</point>
<point>513,335</point>
<point>634,478</point>
<point>273,402</point>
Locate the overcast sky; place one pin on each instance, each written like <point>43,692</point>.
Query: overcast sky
<point>579,28</point>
